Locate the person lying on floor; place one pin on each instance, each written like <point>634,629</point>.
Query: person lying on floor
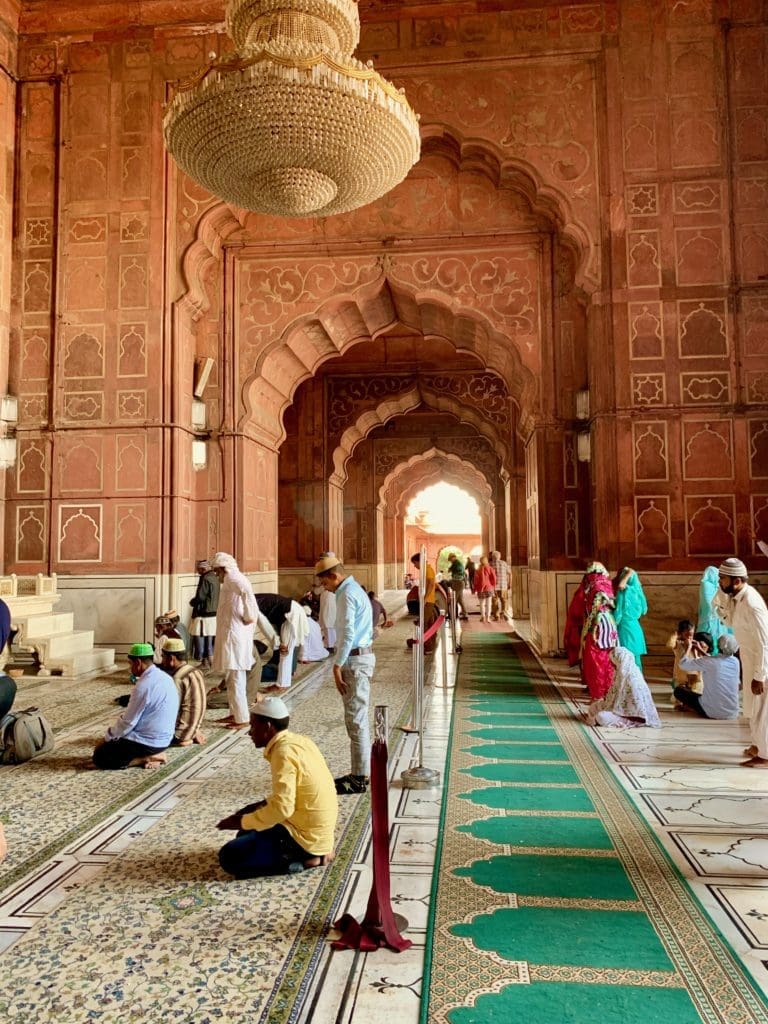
<point>629,702</point>
<point>293,829</point>
<point>145,729</point>
<point>193,700</point>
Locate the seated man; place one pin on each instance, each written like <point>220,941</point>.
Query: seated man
<point>190,685</point>
<point>145,729</point>
<point>293,828</point>
<point>720,676</point>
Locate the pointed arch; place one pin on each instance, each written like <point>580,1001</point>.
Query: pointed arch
<point>448,460</point>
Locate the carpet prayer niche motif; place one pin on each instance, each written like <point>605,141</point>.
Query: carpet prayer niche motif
<point>552,901</point>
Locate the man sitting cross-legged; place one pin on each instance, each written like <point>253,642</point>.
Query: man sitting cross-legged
<point>145,729</point>
<point>192,696</point>
<point>293,828</point>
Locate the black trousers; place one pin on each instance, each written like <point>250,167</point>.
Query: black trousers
<point>116,754</point>
<point>7,694</point>
<point>691,700</point>
<point>272,851</point>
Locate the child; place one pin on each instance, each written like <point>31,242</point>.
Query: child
<point>688,680</point>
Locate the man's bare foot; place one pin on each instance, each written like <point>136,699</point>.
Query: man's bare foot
<point>184,743</point>
<point>237,725</point>
<point>200,738</point>
<point>151,762</point>
<point>755,762</point>
<point>227,721</point>
<point>320,862</point>
<point>750,751</point>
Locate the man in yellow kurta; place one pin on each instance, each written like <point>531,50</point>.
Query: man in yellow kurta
<point>293,829</point>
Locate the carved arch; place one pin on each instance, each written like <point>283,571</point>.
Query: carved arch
<point>448,460</point>
<point>411,482</point>
<point>406,402</point>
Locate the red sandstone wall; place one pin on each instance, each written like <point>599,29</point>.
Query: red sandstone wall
<point>631,145</point>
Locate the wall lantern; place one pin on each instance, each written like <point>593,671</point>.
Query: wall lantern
<point>582,404</point>
<point>583,446</point>
<point>198,415</point>
<point>199,454</point>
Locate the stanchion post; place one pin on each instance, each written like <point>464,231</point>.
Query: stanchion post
<point>420,777</point>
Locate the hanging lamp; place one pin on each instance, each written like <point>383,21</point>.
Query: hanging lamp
<point>292,124</point>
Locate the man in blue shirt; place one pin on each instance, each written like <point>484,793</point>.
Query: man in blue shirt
<point>720,675</point>
<point>145,729</point>
<point>353,665</point>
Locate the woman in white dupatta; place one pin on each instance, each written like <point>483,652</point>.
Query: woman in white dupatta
<point>628,703</point>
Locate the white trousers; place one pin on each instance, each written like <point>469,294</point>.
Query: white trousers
<point>285,665</point>
<point>240,692</point>
<point>758,722</point>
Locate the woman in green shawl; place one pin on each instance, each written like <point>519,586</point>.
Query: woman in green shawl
<point>630,608</point>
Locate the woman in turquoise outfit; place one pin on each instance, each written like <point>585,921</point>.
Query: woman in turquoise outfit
<point>709,596</point>
<point>630,608</point>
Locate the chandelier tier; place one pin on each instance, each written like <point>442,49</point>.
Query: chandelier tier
<point>292,124</point>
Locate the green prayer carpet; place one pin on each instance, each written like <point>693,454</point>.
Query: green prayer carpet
<point>552,900</point>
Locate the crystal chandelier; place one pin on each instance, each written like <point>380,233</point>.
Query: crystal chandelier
<point>292,124</point>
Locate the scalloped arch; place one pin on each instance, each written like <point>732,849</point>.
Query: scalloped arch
<point>447,459</point>
<point>436,472</point>
<point>399,406</point>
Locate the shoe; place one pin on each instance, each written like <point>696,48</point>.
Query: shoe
<point>349,784</point>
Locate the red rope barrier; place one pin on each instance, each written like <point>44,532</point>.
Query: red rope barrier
<point>378,927</point>
<point>432,630</point>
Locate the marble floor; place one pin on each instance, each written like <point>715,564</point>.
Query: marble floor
<point>708,813</point>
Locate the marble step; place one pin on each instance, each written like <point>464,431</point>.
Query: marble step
<point>40,626</point>
<point>82,662</point>
<point>55,648</point>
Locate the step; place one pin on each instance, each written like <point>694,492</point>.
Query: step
<point>40,626</point>
<point>96,659</point>
<point>54,649</point>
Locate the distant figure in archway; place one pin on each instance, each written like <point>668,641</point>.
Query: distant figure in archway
<point>485,588</point>
<point>456,578</point>
<point>430,607</point>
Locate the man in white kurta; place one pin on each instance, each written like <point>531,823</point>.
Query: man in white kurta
<point>327,619</point>
<point>746,613</point>
<point>235,621</point>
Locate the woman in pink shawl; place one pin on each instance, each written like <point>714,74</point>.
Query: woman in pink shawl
<point>599,637</point>
<point>577,613</point>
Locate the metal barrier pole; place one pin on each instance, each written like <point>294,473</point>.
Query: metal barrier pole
<point>444,652</point>
<point>419,777</point>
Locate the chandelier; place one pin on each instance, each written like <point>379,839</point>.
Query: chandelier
<point>292,124</point>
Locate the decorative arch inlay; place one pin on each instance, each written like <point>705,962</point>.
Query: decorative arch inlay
<point>481,483</point>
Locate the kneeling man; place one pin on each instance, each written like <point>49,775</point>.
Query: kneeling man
<point>190,685</point>
<point>294,827</point>
<point>145,729</point>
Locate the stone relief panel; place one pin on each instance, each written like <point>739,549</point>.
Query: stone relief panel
<point>31,533</point>
<point>646,333</point>
<point>703,328</point>
<point>695,135</point>
<point>643,200</point>
<point>650,450</point>
<point>571,528</point>
<point>35,354</point>
<point>759,519</point>
<point>753,250</point>
<point>570,462</point>
<point>80,464</point>
<point>699,256</point>
<point>130,532</point>
<point>648,389</point>
<point>755,320</point>
<point>652,527</point>
<point>83,351</point>
<point>89,177</point>
<point>757,387</point>
<point>640,143</point>
<point>697,197</point>
<point>643,259</point>
<point>132,350</point>
<point>758,449</point>
<point>37,286</point>
<point>707,450</point>
<point>80,533</point>
<point>705,388</point>
<point>85,283</point>
<point>710,524</point>
<point>130,462</point>
<point>32,466</point>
